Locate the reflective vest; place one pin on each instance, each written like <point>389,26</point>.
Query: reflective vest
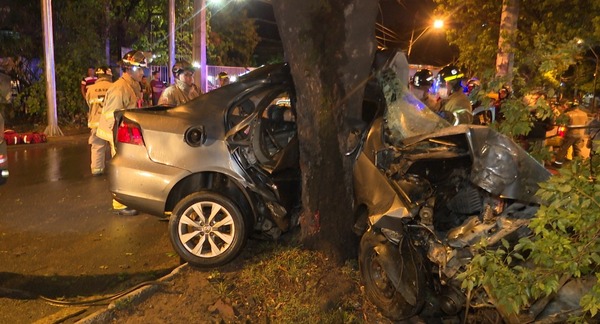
<point>124,93</point>
<point>95,96</point>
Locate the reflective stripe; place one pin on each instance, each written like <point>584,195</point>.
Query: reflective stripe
<point>96,100</point>
<point>453,77</point>
<point>104,135</point>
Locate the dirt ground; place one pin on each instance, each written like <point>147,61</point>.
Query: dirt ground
<point>264,285</point>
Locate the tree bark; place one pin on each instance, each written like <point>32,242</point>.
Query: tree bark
<point>508,29</point>
<point>330,46</point>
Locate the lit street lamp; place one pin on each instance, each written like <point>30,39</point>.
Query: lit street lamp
<point>437,24</point>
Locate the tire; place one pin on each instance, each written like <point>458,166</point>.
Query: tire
<point>194,235</point>
<point>378,287</point>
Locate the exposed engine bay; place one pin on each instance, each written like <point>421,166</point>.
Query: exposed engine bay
<point>435,176</point>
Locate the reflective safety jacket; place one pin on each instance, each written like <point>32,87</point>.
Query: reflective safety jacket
<point>458,108</point>
<point>124,93</point>
<point>95,96</point>
<point>577,118</point>
<point>177,94</point>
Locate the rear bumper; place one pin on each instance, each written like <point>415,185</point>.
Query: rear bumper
<point>142,184</point>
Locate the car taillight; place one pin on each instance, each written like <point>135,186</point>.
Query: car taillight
<point>562,130</point>
<point>130,133</point>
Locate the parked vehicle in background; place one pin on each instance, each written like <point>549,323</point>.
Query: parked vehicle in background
<point>3,154</point>
<point>224,165</point>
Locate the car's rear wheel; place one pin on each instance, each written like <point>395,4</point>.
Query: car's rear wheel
<point>207,229</point>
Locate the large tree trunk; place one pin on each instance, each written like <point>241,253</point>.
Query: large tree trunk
<point>508,29</point>
<point>330,46</point>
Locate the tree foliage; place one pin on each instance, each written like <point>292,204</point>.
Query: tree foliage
<point>232,37</point>
<point>549,55</point>
<point>84,30</point>
<point>544,46</point>
<point>564,244</point>
<point>548,51</point>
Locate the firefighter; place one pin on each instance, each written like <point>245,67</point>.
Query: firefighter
<point>183,90</point>
<point>420,84</point>
<point>95,96</point>
<point>575,134</point>
<point>125,93</point>
<point>454,104</point>
<point>223,79</point>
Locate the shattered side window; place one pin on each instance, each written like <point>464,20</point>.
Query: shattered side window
<point>405,115</point>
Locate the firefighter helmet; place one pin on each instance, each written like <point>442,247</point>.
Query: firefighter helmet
<point>134,58</point>
<point>422,79</point>
<point>182,66</point>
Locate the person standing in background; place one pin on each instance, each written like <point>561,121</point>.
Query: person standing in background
<point>96,93</point>
<point>157,87</point>
<point>87,81</point>
<point>146,92</point>
<point>575,134</point>
<point>183,90</point>
<point>223,79</point>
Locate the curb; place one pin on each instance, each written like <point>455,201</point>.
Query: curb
<point>133,298</point>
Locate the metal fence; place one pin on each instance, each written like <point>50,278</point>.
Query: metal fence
<point>212,73</point>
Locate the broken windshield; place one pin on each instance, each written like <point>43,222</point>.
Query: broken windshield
<point>406,116</point>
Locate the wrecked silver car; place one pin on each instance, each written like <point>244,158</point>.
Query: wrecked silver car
<point>223,166</point>
<point>427,193</point>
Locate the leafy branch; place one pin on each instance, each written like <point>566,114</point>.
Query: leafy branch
<point>564,242</point>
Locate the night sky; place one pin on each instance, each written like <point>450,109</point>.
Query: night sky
<point>401,16</point>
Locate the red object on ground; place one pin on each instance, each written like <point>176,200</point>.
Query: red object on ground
<point>34,138</point>
<point>12,138</point>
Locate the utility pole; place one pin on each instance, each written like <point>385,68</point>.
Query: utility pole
<point>199,43</point>
<point>171,40</point>
<point>52,129</point>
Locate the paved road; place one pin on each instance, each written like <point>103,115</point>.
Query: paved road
<point>59,237</point>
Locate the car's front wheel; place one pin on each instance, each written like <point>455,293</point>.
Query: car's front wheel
<point>378,285</point>
<point>207,229</point>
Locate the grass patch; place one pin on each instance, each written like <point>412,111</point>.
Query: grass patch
<point>288,284</point>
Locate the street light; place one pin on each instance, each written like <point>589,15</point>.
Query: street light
<point>437,24</point>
